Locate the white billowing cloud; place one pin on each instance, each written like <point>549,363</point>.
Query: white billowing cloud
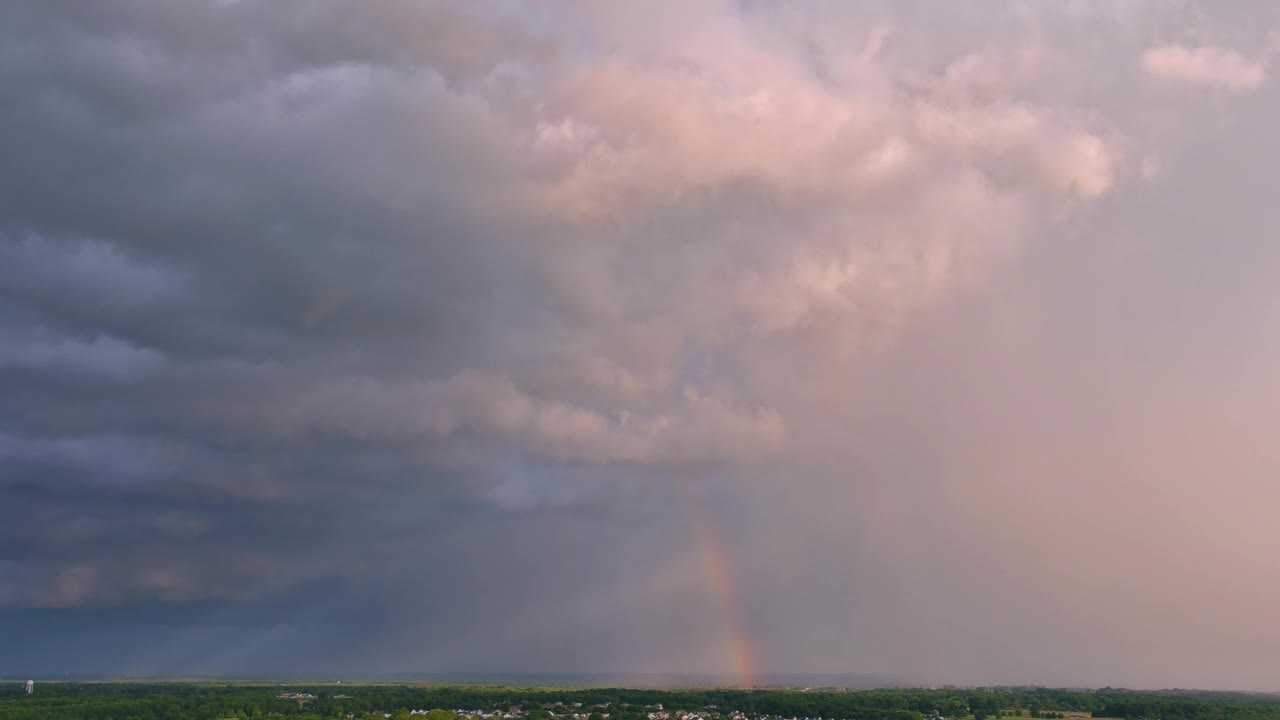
<point>631,134</point>
<point>1204,66</point>
<point>714,193</point>
<point>879,193</point>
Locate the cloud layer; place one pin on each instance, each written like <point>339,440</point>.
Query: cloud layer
<point>446,331</point>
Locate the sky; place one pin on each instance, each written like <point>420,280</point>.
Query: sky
<point>737,338</point>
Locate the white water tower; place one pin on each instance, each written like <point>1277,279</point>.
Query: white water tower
<point>31,686</point>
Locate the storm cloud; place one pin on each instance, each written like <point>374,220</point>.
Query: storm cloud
<point>429,337</point>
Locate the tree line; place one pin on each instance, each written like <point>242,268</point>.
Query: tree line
<point>201,701</point>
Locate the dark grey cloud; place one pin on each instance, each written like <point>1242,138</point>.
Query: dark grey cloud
<point>417,336</point>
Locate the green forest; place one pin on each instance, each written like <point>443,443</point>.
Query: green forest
<point>213,701</point>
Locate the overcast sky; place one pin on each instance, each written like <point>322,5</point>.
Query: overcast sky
<point>900,338</point>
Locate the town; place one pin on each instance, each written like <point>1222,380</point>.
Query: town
<point>563,711</point>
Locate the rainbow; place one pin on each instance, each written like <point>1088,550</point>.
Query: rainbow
<point>719,573</point>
